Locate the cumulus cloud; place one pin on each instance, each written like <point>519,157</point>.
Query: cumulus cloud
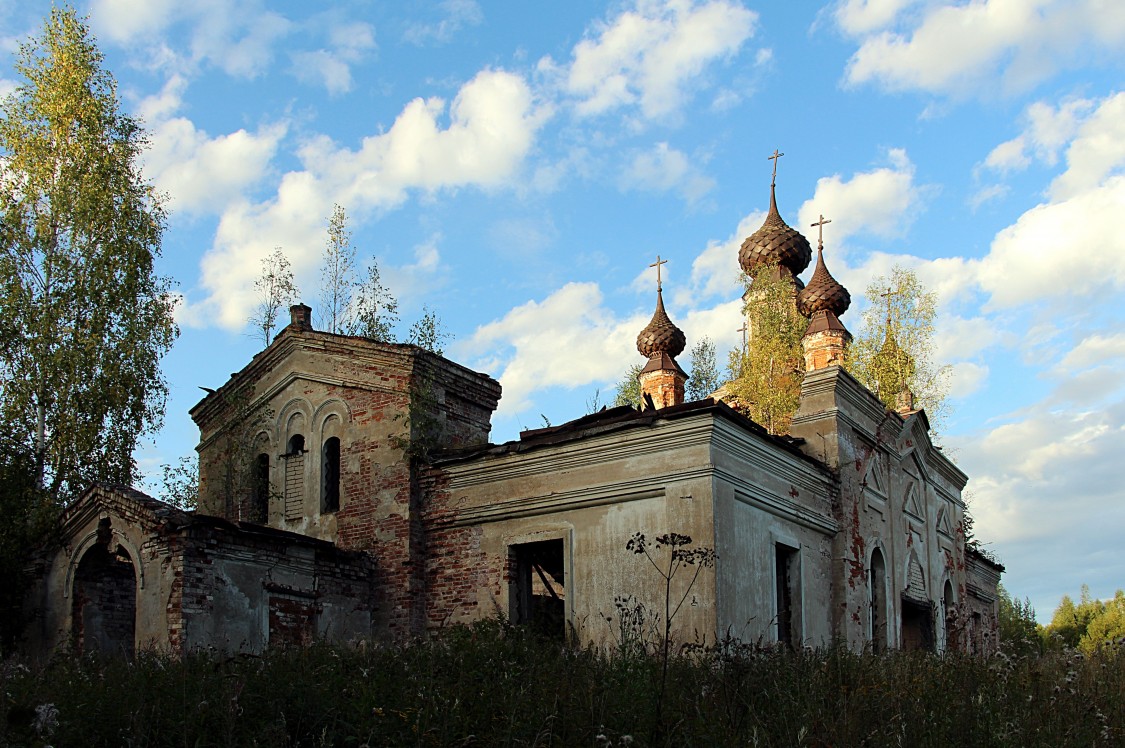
<point>331,67</point>
<point>880,201</point>
<point>967,47</point>
<point>529,342</point>
<point>714,272</point>
<point>652,56</point>
<point>662,169</point>
<point>491,126</point>
<point>1036,258</point>
<point>202,173</point>
<point>238,36</point>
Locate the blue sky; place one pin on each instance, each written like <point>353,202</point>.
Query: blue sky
<point>517,166</point>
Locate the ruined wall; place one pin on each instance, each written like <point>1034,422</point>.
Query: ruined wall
<point>766,498</point>
<point>900,502</point>
<point>592,493</point>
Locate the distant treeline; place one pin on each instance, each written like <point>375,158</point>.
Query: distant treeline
<point>1087,626</point>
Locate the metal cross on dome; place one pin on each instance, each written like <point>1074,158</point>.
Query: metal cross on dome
<point>774,157</point>
<point>657,265</point>
<point>820,225</point>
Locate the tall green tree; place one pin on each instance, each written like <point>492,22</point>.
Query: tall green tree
<point>629,388</point>
<point>374,311</point>
<point>275,289</point>
<point>894,351</point>
<point>337,274</point>
<point>1019,632</point>
<point>704,377</point>
<point>84,317</point>
<point>765,378</point>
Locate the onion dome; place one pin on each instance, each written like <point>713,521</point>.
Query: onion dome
<point>823,292</point>
<point>775,243</point>
<point>661,336</point>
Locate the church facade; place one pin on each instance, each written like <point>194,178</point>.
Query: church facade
<point>348,491</point>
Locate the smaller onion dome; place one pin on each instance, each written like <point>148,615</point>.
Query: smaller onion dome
<point>775,243</point>
<point>823,292</point>
<point>661,336</point>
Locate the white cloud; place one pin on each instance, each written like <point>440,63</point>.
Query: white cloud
<point>714,272</point>
<point>570,339</point>
<point>965,47</point>
<point>413,282</point>
<point>236,35</point>
<point>1062,249</point>
<point>350,42</point>
<point>880,201</point>
<point>662,169</point>
<point>1096,152</point>
<point>457,14</point>
<point>653,55</point>
<point>1094,350</point>
<point>966,378</point>
<point>198,172</point>
<point>492,123</point>
<point>864,16</point>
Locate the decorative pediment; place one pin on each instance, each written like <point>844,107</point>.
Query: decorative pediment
<point>873,479</point>
<point>945,521</point>
<point>912,502</point>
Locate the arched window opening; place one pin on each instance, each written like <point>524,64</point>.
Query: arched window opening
<point>260,510</point>
<point>949,615</point>
<point>878,596</point>
<point>105,598</point>
<point>295,477</point>
<point>330,476</point>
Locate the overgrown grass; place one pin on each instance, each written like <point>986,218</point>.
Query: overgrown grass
<point>489,684</point>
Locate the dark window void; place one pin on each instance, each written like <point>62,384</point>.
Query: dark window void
<point>538,590</point>
<point>296,445</point>
<point>917,625</point>
<point>105,599</point>
<point>260,490</point>
<point>949,616</point>
<point>788,588</point>
<point>330,474</point>
<point>878,582</point>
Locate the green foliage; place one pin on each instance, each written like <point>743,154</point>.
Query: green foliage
<point>894,350</point>
<point>181,483</point>
<point>27,518</point>
<point>375,309</point>
<point>765,379</point>
<point>1088,625</point>
<point>490,684</point>
<point>275,289</point>
<point>1019,632</point>
<point>704,377</point>
<point>84,318</point>
<point>629,388</point>
<point>429,333</point>
<point>337,274</point>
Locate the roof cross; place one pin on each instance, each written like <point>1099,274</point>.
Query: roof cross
<point>887,295</point>
<point>820,225</point>
<point>657,265</point>
<point>743,331</point>
<point>774,157</point>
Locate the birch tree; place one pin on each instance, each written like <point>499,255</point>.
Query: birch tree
<point>276,289</point>
<point>84,317</point>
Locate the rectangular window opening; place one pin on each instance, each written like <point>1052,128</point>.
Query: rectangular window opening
<point>538,587</point>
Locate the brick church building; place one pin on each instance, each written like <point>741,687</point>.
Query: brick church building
<point>348,491</point>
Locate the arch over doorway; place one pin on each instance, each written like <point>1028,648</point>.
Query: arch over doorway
<point>104,597</point>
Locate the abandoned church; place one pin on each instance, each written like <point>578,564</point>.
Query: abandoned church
<point>348,491</point>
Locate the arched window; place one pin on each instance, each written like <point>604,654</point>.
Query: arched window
<point>949,615</point>
<point>295,477</point>
<point>878,594</point>
<point>330,475</point>
<point>261,489</point>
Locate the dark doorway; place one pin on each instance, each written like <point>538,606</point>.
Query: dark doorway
<point>788,594</point>
<point>105,600</point>
<point>878,582</point>
<point>539,587</point>
<point>917,625</point>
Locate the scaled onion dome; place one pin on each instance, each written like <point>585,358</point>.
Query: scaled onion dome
<point>661,336</point>
<point>775,243</point>
<point>823,292</point>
